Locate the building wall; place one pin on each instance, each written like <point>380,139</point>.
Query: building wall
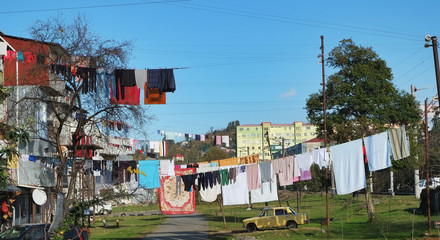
<point>252,136</point>
<point>34,72</point>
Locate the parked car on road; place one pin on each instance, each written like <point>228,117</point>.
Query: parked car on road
<point>275,217</point>
<point>40,231</point>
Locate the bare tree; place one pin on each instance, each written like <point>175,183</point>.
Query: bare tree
<point>74,112</point>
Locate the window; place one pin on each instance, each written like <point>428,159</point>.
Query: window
<point>280,212</point>
<point>290,128</point>
<point>247,129</point>
<point>241,129</point>
<point>256,129</point>
<point>259,148</point>
<point>253,148</point>
<point>244,135</point>
<point>253,135</point>
<point>298,128</point>
<point>308,127</point>
<point>305,134</point>
<point>287,134</point>
<point>244,142</point>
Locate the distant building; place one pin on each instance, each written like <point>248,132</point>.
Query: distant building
<point>252,138</point>
<point>307,146</point>
<point>179,157</point>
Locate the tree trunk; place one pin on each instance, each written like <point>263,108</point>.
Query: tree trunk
<point>369,202</point>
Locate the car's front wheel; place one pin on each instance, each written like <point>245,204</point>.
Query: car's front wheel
<point>251,227</point>
<point>292,224</point>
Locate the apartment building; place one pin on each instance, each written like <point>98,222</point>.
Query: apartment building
<point>255,138</point>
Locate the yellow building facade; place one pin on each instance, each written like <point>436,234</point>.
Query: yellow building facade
<point>253,138</point>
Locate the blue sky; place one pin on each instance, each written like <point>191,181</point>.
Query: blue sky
<point>252,61</point>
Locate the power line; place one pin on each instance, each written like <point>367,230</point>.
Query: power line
<point>235,111</point>
<point>312,23</point>
<point>92,6</point>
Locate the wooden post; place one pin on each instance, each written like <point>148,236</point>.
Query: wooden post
<point>94,198</point>
<point>220,202</point>
<point>34,211</point>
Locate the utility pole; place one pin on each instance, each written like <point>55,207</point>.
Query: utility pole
<point>427,165</point>
<point>435,52</point>
<point>325,135</point>
<point>416,171</point>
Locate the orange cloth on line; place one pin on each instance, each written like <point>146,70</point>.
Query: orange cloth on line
<point>228,162</point>
<point>250,159</point>
<point>153,96</point>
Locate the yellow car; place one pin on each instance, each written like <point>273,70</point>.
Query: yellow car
<point>275,217</point>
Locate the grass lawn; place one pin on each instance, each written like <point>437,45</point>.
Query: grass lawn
<point>130,227</point>
<point>395,219</point>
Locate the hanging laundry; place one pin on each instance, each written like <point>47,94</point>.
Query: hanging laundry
<point>376,149</point>
<point>128,96</point>
<point>304,162</point>
<point>153,96</point>
<point>202,138</point>
<point>399,143</point>
<point>162,79</point>
<point>103,82</point>
<point>189,181</point>
<point>164,167</point>
<point>296,171</point>
<point>140,77</point>
<point>225,140</point>
<point>349,168</point>
<point>20,56</point>
<point>228,162</point>
<point>163,149</point>
<point>218,140</point>
<point>210,194</point>
<point>258,197</point>
<point>284,167</point>
<point>169,136</point>
<point>154,146</point>
<point>224,173</point>
<point>29,57</point>
<point>3,48</point>
<point>237,193</point>
<point>321,157</point>
<point>32,158</point>
<point>266,174</point>
<point>253,176</point>
<point>151,169</point>
<point>172,203</point>
<point>211,188</point>
<point>255,158</point>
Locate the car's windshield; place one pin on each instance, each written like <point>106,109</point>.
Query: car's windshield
<point>262,213</point>
<point>292,212</point>
<point>12,233</point>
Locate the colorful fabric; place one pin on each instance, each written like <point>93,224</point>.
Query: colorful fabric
<point>149,177</point>
<point>169,202</point>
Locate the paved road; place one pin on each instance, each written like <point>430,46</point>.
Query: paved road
<point>182,227</point>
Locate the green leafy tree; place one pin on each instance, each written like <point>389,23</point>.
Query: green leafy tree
<point>361,99</point>
<point>214,153</point>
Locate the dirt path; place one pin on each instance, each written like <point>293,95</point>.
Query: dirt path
<point>183,227</point>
